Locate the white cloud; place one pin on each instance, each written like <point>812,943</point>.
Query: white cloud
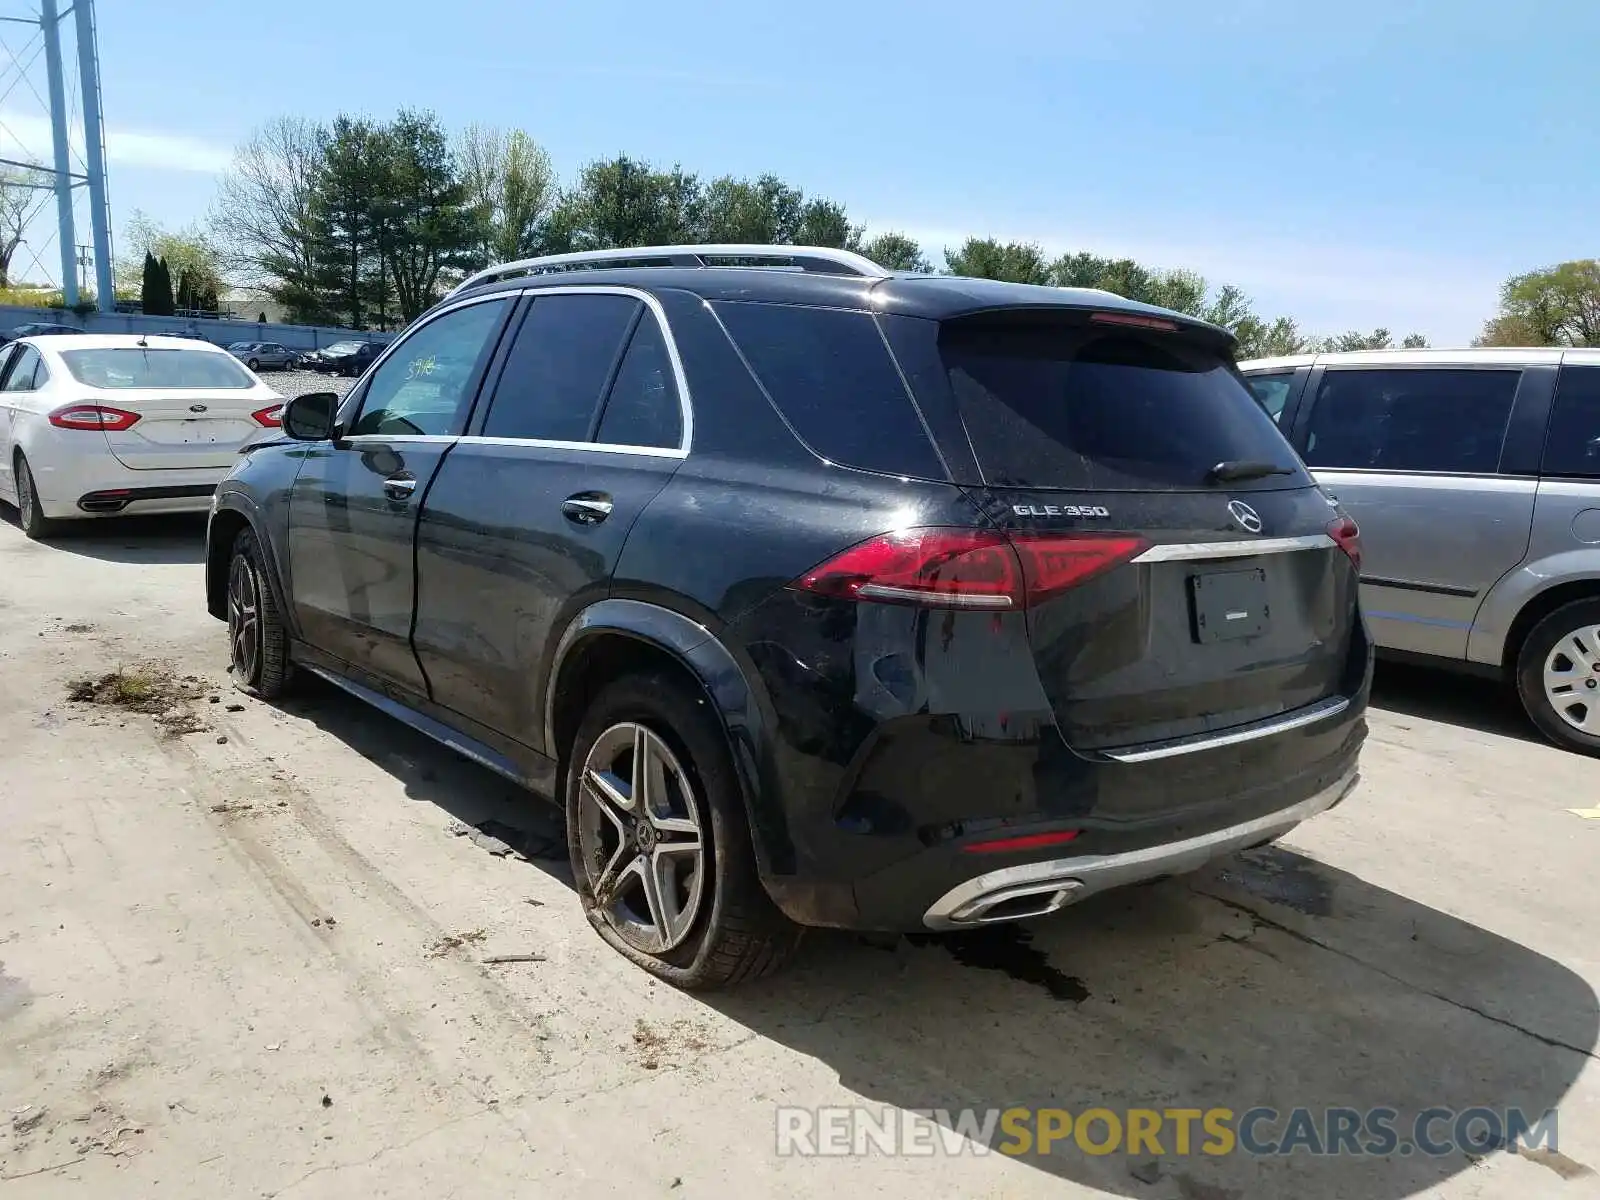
<point>27,136</point>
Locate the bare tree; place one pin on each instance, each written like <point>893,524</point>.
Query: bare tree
<point>510,187</point>
<point>22,194</point>
<point>264,217</point>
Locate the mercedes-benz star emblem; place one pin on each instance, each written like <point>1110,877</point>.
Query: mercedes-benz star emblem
<point>1249,520</point>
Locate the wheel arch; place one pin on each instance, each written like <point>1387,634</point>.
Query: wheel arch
<point>228,521</point>
<point>614,637</point>
<point>1539,606</point>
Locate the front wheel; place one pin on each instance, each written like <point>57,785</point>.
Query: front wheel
<point>258,640</point>
<point>35,524</point>
<point>1558,676</point>
<point>660,848</point>
<point>254,364</point>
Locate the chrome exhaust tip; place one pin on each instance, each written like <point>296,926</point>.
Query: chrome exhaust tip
<point>1016,903</point>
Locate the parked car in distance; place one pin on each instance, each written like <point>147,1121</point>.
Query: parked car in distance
<point>260,355</point>
<point>36,329</point>
<point>94,425</point>
<point>1475,477</point>
<point>820,595</point>
<point>343,358</point>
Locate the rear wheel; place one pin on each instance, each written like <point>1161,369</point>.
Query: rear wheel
<point>1558,676</point>
<point>660,849</point>
<point>258,640</point>
<point>34,523</point>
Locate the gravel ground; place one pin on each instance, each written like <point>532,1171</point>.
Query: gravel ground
<point>296,383</point>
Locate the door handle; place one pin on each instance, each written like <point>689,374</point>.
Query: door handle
<point>399,487</point>
<point>586,508</point>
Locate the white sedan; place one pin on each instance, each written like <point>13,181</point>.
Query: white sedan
<point>96,425</point>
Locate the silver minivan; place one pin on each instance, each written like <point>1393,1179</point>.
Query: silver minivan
<point>1474,476</point>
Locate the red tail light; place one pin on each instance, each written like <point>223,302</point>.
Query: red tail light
<point>1136,320</point>
<point>270,417</point>
<point>1345,532</point>
<point>93,416</point>
<point>966,568</point>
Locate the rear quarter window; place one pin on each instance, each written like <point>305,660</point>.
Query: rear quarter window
<point>832,379</point>
<point>1059,403</point>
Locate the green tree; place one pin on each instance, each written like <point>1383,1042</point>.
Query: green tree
<point>188,251</point>
<point>897,252</point>
<point>348,206</point>
<point>1553,306</point>
<point>426,225</point>
<point>1258,339</point>
<point>984,258</point>
<point>764,210</point>
<point>509,186</point>
<point>625,202</point>
<point>149,285</point>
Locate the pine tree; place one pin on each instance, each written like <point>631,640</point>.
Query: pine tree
<point>150,285</point>
<point>159,302</point>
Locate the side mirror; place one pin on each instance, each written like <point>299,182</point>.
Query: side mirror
<point>311,417</point>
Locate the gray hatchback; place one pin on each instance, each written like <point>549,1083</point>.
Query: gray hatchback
<point>1475,478</point>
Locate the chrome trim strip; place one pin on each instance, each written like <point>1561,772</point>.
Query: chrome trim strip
<point>691,256</point>
<point>880,591</point>
<point>1296,720</point>
<point>1200,551</point>
<point>598,447</point>
<point>963,906</point>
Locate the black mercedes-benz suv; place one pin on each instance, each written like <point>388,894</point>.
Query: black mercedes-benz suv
<point>818,594</point>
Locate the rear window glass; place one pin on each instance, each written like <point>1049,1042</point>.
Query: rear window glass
<point>131,367</point>
<point>831,377</point>
<point>1067,405</point>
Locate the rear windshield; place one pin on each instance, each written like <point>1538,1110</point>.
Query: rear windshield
<point>1071,405</point>
<point>131,367</point>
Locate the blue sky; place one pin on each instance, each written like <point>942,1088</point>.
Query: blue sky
<point>1370,163</point>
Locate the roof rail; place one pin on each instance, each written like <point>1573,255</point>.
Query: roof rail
<point>822,260</point>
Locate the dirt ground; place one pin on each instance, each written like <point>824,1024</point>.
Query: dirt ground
<point>242,953</point>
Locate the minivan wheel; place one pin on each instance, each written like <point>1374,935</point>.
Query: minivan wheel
<point>1558,676</point>
<point>258,641</point>
<point>30,512</point>
<point>660,849</point>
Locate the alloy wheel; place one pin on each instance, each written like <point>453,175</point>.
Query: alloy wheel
<point>244,620</point>
<point>642,845</point>
<point>25,497</point>
<point>1572,679</point>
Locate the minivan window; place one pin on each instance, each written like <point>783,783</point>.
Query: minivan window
<point>1411,420</point>
<point>1572,446</point>
<point>1272,391</point>
<point>642,409</point>
<point>1055,402</point>
<point>425,386</point>
<point>558,366</point>
<point>831,377</point>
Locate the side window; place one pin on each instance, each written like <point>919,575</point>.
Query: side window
<point>642,409</point>
<point>558,367</point>
<point>425,386</point>
<point>1572,446</point>
<point>1271,392</point>
<point>20,377</point>
<point>1411,420</point>
<point>831,377</point>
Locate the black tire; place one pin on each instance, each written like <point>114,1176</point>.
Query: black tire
<point>1579,620</point>
<point>737,933</point>
<point>258,650</point>
<point>35,524</point>
<point>254,364</point>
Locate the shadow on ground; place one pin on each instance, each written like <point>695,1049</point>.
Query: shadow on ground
<point>1270,980</point>
<point>139,540</point>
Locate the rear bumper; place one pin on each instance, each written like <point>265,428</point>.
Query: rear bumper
<point>194,497</point>
<point>1013,893</point>
<point>67,475</point>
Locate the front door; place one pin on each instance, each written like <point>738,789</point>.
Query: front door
<point>353,510</point>
<point>1413,454</point>
<point>528,516</point>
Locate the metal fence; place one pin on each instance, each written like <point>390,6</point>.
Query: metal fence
<point>222,332</point>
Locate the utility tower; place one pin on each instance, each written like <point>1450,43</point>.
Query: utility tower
<point>63,178</point>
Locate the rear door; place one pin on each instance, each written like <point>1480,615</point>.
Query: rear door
<point>527,518</point>
<point>195,407</point>
<point>1202,589</point>
<point>1413,453</point>
<point>9,416</point>
<point>353,508</point>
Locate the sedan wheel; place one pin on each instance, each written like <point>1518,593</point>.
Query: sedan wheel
<point>642,846</point>
<point>34,523</point>
<point>254,364</point>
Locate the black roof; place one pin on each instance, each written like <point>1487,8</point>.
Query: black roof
<point>936,297</point>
